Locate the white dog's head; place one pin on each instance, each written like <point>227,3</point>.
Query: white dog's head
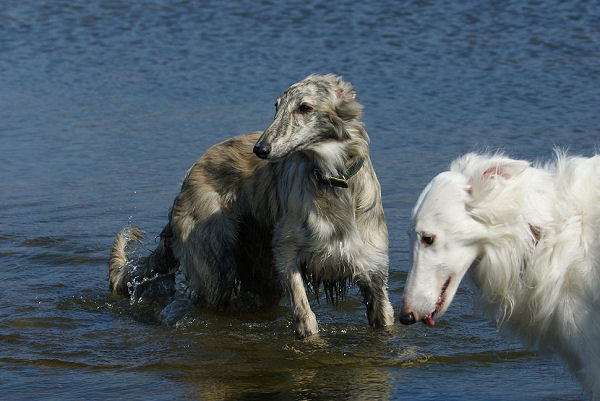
<point>448,234</point>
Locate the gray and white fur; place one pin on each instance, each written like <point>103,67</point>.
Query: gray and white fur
<point>306,211</point>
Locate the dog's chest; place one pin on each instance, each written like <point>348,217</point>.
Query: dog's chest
<point>331,216</point>
<point>324,217</point>
<point>331,227</point>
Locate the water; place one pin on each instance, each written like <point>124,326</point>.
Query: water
<point>105,104</point>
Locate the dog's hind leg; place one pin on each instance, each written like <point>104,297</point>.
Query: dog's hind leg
<point>375,297</point>
<point>205,244</point>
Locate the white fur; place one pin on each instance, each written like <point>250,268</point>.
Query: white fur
<point>529,235</point>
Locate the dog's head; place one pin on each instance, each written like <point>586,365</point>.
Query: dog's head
<point>449,231</point>
<point>315,111</point>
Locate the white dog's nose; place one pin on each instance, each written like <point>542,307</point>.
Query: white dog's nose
<point>407,316</point>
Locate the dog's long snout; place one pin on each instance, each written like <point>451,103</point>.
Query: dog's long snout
<point>262,150</point>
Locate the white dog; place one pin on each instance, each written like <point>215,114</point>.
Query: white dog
<point>530,235</point>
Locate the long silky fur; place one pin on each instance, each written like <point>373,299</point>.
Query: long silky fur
<point>539,272</point>
<point>252,227</point>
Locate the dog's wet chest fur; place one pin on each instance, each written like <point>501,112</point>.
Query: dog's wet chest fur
<point>327,224</point>
<point>332,215</point>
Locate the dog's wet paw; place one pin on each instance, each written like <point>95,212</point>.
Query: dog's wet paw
<point>306,325</point>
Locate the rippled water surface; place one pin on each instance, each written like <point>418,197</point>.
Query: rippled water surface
<point>105,104</point>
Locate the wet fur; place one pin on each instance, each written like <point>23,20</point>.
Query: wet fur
<point>529,235</point>
<point>258,227</point>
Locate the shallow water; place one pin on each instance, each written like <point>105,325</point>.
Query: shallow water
<point>105,104</point>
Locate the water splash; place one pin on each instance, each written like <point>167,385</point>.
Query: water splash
<point>177,313</point>
<point>144,284</point>
<point>155,287</point>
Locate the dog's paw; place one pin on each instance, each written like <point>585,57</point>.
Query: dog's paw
<point>306,325</point>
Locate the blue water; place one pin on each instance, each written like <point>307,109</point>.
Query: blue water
<point>105,104</point>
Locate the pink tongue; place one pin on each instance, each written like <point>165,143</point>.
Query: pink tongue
<point>428,321</point>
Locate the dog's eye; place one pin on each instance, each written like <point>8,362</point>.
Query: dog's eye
<point>427,239</point>
<point>305,108</point>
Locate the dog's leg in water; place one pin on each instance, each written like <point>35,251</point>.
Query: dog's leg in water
<point>305,321</point>
<point>207,259</point>
<point>379,309</point>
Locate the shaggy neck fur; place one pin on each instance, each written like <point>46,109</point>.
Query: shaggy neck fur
<point>349,141</point>
<point>342,180</point>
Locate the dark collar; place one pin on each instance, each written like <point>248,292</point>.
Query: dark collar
<point>340,182</point>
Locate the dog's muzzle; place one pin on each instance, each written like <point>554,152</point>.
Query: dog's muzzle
<point>262,150</point>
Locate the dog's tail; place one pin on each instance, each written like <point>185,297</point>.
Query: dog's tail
<point>130,277</point>
<point>118,271</point>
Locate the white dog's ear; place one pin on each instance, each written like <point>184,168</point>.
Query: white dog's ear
<point>500,168</point>
<point>505,168</point>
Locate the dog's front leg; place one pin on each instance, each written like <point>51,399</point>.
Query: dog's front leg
<point>379,309</point>
<point>305,321</point>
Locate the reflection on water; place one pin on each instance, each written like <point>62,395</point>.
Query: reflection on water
<point>104,106</point>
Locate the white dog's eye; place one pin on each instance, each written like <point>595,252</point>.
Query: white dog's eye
<point>427,239</point>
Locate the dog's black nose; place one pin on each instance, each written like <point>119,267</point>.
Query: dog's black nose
<point>262,150</point>
<point>407,318</point>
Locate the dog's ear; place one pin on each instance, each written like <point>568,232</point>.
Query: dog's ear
<point>344,91</point>
<point>346,106</point>
<point>483,171</point>
<point>346,94</point>
<point>505,168</point>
